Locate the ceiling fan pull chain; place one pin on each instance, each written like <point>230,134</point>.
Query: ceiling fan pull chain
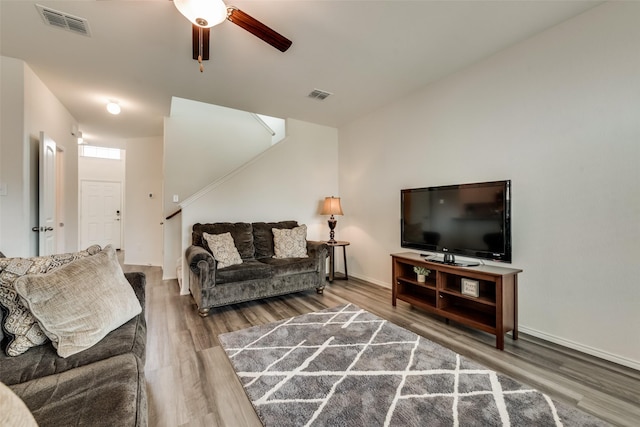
<point>200,50</point>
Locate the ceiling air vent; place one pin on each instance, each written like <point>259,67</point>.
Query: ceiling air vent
<point>318,94</point>
<point>63,20</point>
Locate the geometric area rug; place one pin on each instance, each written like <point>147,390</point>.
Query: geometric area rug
<point>344,366</point>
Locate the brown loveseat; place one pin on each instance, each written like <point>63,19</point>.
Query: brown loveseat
<point>260,275</point>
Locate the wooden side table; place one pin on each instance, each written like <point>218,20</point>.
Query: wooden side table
<point>332,259</point>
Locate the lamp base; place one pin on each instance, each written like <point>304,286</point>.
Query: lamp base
<point>332,225</point>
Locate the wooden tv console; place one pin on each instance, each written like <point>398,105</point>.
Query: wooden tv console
<point>494,310</point>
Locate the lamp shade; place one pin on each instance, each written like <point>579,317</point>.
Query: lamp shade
<point>331,206</point>
<point>203,13</point>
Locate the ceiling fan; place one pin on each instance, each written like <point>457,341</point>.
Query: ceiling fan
<point>205,14</point>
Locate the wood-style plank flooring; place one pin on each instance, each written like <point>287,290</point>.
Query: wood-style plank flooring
<point>190,382</point>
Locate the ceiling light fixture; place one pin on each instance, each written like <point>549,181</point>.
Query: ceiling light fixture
<point>203,13</point>
<point>113,107</point>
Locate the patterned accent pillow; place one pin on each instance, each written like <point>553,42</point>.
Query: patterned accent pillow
<point>290,243</point>
<point>223,249</point>
<point>21,329</point>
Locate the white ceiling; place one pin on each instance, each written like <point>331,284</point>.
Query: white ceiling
<point>367,53</point>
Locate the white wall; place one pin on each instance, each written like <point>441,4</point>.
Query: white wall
<point>559,115</point>
<point>14,239</point>
<point>203,142</point>
<point>29,107</point>
<point>143,215</point>
<point>287,182</point>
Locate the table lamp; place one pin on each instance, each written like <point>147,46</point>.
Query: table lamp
<point>331,207</point>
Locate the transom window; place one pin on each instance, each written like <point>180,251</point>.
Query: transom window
<point>100,152</point>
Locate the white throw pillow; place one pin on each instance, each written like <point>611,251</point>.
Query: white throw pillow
<point>290,243</point>
<point>79,304</point>
<point>13,411</point>
<point>223,248</point>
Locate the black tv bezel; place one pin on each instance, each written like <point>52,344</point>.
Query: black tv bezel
<point>505,256</point>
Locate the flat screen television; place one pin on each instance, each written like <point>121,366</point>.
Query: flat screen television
<point>471,220</point>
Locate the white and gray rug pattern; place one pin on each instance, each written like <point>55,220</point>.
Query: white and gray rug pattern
<point>345,366</point>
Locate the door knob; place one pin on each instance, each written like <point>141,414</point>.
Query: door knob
<point>48,229</point>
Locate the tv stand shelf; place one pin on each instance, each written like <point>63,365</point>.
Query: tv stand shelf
<point>494,310</point>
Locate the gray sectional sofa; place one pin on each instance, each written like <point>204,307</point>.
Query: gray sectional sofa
<point>260,275</point>
<point>101,386</point>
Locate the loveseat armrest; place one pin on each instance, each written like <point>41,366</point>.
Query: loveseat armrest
<point>201,263</point>
<point>319,252</point>
<point>138,281</point>
<point>316,248</point>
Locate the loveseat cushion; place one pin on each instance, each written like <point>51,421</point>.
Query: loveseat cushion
<point>263,236</point>
<point>248,270</point>
<point>286,266</point>
<point>109,392</point>
<point>242,233</point>
<point>43,360</point>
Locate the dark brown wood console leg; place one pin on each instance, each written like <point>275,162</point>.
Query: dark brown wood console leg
<point>514,334</point>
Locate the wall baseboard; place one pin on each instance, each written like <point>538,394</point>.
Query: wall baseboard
<point>634,364</point>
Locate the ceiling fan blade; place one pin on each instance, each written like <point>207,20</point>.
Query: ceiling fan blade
<point>258,29</point>
<point>200,45</point>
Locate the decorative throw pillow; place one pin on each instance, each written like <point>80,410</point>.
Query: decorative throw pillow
<point>20,328</point>
<point>79,304</point>
<point>223,249</point>
<point>13,411</point>
<point>290,243</point>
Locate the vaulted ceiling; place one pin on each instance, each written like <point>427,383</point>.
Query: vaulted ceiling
<point>366,53</point>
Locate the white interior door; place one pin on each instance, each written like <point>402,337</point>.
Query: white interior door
<point>101,214</point>
<point>47,196</point>
<point>60,198</point>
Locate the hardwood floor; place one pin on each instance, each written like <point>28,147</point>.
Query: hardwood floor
<point>190,382</point>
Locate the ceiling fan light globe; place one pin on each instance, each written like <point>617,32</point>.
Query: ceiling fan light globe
<point>203,13</point>
<point>113,108</point>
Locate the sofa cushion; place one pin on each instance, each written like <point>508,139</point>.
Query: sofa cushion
<point>80,303</point>
<point>263,236</point>
<point>43,360</point>
<point>13,411</point>
<point>110,392</point>
<point>290,243</point>
<point>223,249</point>
<point>21,329</point>
<point>242,233</point>
<point>248,270</point>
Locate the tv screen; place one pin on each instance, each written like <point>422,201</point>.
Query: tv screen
<point>469,219</point>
